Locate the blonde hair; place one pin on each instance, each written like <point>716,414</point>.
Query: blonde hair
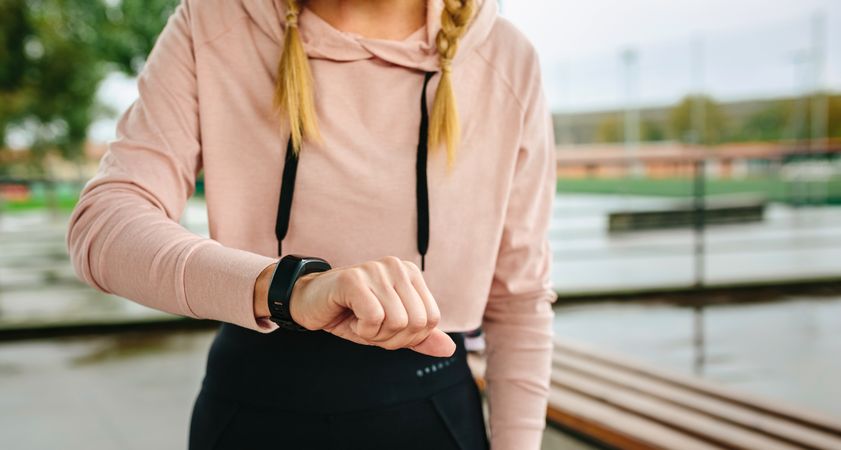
<point>293,89</point>
<point>294,85</point>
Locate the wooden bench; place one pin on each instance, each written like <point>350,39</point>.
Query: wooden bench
<point>625,404</point>
<point>721,209</point>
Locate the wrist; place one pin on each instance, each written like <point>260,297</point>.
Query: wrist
<point>261,292</point>
<point>299,298</point>
<point>286,287</point>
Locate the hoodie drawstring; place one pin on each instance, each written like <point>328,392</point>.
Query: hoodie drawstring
<point>290,169</point>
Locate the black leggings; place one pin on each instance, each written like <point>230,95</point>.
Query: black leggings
<point>312,390</point>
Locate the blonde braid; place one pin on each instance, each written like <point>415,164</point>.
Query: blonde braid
<point>294,86</point>
<point>444,124</point>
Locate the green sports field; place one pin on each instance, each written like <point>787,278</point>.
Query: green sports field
<point>773,188</point>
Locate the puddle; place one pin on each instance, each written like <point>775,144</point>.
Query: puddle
<point>122,347</point>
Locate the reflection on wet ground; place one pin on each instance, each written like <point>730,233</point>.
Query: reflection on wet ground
<point>126,391</point>
<point>107,392</point>
<point>790,243</point>
<point>133,345</point>
<point>786,350</point>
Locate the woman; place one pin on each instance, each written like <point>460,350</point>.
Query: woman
<point>425,181</point>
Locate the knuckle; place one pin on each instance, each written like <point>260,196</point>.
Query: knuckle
<point>350,277</point>
<point>393,265</point>
<point>433,319</point>
<point>378,315</point>
<point>397,323</point>
<point>379,270</point>
<point>417,323</point>
<point>375,317</point>
<point>370,267</point>
<point>391,261</point>
<point>411,267</point>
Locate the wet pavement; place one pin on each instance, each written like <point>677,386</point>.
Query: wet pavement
<point>110,392</point>
<point>135,390</point>
<point>128,391</point>
<point>787,350</point>
<point>791,243</point>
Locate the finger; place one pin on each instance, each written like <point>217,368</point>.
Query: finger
<point>405,339</point>
<point>437,343</point>
<point>344,330</point>
<point>396,317</point>
<point>433,314</point>
<point>416,330</point>
<point>412,302</point>
<point>367,310</point>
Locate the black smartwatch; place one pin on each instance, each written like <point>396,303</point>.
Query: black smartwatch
<point>286,273</point>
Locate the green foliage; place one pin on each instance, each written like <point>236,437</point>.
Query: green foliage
<point>790,119</point>
<point>681,117</point>
<point>610,129</point>
<point>769,124</point>
<point>834,126</point>
<point>772,187</point>
<point>651,131</point>
<point>15,29</point>
<point>53,56</point>
<point>132,27</point>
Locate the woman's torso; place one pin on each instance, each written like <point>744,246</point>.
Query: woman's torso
<point>355,193</point>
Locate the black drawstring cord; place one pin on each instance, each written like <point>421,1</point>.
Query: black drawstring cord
<point>290,169</point>
<point>287,188</point>
<point>422,191</point>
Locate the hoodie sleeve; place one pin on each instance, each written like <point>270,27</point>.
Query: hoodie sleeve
<point>518,317</point>
<point>123,235</point>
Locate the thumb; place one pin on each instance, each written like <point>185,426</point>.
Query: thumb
<point>437,343</point>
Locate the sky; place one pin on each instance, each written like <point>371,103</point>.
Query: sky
<point>746,48</point>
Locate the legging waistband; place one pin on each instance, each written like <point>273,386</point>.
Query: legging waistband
<point>321,373</point>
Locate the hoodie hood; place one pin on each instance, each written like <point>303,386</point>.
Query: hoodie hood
<point>417,51</point>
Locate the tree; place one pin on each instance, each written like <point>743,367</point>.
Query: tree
<point>610,129</point>
<point>834,119</point>
<point>768,124</point>
<point>651,131</point>
<point>131,28</point>
<point>53,56</point>
<point>683,128</point>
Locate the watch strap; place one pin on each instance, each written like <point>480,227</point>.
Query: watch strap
<point>286,273</point>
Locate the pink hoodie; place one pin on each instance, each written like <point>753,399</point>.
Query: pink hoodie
<point>206,103</point>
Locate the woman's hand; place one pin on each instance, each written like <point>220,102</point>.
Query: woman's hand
<point>384,302</point>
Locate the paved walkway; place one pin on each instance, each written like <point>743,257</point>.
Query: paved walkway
<point>128,392</point>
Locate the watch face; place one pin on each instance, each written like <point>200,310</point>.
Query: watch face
<point>311,265</point>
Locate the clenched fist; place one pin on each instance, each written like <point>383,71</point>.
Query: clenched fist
<point>384,302</point>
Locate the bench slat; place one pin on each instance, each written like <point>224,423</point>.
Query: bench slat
<point>696,424</point>
<point>615,427</point>
<point>736,414</point>
<point>812,419</point>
